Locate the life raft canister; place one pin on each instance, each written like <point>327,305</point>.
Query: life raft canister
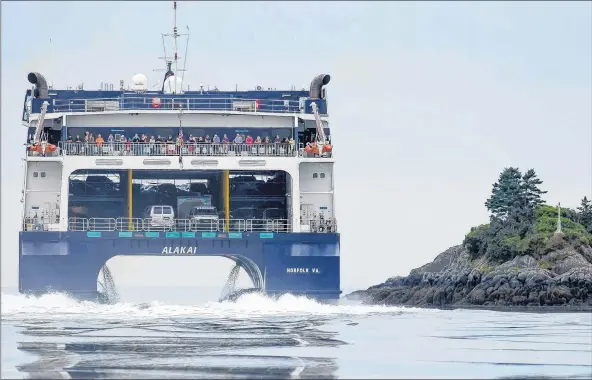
<point>155,102</point>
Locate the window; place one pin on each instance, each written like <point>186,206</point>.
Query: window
<point>35,174</point>
<point>322,175</point>
<point>42,174</point>
<point>315,175</point>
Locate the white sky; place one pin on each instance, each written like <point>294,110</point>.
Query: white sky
<point>428,103</point>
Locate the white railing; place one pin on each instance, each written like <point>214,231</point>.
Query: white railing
<point>102,224</point>
<point>78,224</point>
<point>318,225</point>
<point>157,103</point>
<point>186,149</point>
<point>172,149</point>
<point>188,225</point>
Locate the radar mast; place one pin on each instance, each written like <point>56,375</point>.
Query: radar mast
<point>172,61</point>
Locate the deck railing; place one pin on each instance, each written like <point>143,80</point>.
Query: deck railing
<point>172,149</point>
<point>168,149</point>
<point>156,103</point>
<point>185,225</point>
<point>318,225</point>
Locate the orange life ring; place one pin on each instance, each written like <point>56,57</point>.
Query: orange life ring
<point>155,102</point>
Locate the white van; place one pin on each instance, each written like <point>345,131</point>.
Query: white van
<point>160,216</point>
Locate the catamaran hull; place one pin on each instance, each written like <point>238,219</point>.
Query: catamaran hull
<point>304,264</point>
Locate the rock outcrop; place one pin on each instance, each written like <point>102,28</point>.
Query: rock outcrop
<point>558,278</point>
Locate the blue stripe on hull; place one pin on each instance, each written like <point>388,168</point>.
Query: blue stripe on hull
<point>296,263</point>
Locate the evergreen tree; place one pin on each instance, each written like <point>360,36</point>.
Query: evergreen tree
<point>531,194</point>
<point>585,214</point>
<point>506,194</point>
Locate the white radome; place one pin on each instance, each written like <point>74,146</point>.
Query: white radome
<point>169,85</point>
<point>139,82</point>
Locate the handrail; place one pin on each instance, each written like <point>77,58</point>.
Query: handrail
<point>156,102</point>
<point>318,225</point>
<point>186,149</point>
<point>173,149</point>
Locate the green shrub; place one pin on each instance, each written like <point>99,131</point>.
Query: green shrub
<point>476,241</point>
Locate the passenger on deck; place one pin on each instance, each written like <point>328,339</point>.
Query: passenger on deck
<point>277,139</point>
<point>100,142</point>
<point>225,139</point>
<point>216,141</point>
<point>170,148</point>
<point>238,139</point>
<point>258,140</point>
<point>178,143</point>
<point>249,140</point>
<point>136,139</point>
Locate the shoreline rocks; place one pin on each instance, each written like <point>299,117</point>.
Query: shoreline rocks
<point>558,279</point>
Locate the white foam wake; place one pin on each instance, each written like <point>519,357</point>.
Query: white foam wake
<point>59,305</point>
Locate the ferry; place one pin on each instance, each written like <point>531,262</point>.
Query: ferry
<point>170,171</point>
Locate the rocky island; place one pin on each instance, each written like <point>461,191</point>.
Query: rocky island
<point>530,255</point>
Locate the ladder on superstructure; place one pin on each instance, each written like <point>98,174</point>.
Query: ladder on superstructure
<point>320,137</point>
<point>40,122</point>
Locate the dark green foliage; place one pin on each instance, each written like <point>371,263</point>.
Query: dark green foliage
<point>515,197</point>
<point>476,240</point>
<point>506,194</point>
<point>584,214</point>
<point>521,223</point>
<point>530,192</point>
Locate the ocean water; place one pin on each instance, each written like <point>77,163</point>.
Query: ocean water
<point>187,336</point>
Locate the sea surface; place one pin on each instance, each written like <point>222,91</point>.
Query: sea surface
<point>181,334</point>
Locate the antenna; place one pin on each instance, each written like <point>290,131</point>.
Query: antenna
<point>173,61</point>
<point>175,37</point>
<point>50,84</point>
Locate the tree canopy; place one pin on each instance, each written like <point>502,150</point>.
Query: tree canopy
<point>520,222</point>
<point>514,197</point>
<point>585,214</point>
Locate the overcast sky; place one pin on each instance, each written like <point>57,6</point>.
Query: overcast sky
<point>428,103</point>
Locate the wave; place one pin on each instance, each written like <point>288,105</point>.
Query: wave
<point>60,305</point>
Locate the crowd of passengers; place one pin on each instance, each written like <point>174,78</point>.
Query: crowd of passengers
<point>170,145</point>
<point>193,145</point>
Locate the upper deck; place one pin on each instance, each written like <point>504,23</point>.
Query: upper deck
<point>87,101</point>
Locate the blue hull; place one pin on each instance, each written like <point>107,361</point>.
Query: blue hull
<point>297,263</point>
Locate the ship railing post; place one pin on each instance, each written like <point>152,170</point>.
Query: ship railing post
<point>130,200</point>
